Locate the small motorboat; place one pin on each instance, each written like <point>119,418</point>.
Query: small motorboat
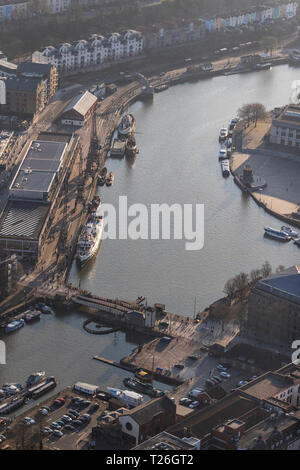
<point>110,178</point>
<point>290,231</point>
<point>223,153</point>
<point>223,133</point>
<point>225,167</point>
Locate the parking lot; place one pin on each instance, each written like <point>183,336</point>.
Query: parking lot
<point>76,420</point>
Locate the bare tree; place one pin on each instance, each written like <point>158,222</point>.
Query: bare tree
<point>252,112</point>
<point>266,269</point>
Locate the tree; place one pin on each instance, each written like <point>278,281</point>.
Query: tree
<point>252,112</point>
<point>280,268</point>
<point>230,289</point>
<point>270,44</point>
<point>266,269</point>
<point>255,275</point>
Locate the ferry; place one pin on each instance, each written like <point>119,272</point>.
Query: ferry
<point>110,179</point>
<point>277,234</point>
<point>126,126</point>
<point>223,133</point>
<point>128,397</point>
<point>225,167</point>
<point>90,238</point>
<point>14,325</point>
<point>290,231</point>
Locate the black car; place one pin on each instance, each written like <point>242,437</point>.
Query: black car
<point>94,408</point>
<point>76,422</point>
<point>69,427</point>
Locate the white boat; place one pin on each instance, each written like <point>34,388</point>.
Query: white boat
<point>223,133</point>
<point>14,325</point>
<point>126,126</point>
<point>290,231</point>
<point>225,167</point>
<point>90,238</point>
<point>128,397</point>
<point>277,234</point>
<point>223,153</point>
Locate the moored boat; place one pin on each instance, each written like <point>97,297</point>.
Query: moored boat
<point>277,234</point>
<point>110,179</point>
<point>102,177</point>
<point>290,231</point>
<point>32,316</point>
<point>126,126</point>
<point>90,238</point>
<point>35,378</point>
<point>131,148</point>
<point>223,133</point>
<point>148,389</point>
<point>14,325</point>
<point>225,167</point>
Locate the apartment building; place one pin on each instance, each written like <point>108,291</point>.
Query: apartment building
<point>47,73</point>
<point>96,50</point>
<point>173,34</point>
<point>14,10</point>
<point>24,97</point>
<point>285,129</point>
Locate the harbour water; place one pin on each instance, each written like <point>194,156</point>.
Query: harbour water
<point>177,136</point>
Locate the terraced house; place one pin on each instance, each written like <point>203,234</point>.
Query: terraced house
<point>96,50</point>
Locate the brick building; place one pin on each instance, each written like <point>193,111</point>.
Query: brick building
<point>24,97</point>
<point>45,72</point>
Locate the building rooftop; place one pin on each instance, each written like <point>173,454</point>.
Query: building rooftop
<point>290,115</point>
<point>38,168</point>
<point>145,412</point>
<point>34,69</point>
<point>22,84</point>
<point>286,284</point>
<point>164,441</point>
<point>270,431</point>
<point>23,220</point>
<point>7,66</point>
<point>81,103</point>
<point>202,422</point>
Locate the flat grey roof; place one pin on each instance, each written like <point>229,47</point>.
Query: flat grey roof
<point>23,220</point>
<point>40,164</point>
<point>34,181</point>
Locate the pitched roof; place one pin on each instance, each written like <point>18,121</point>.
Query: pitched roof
<point>81,103</point>
<point>146,411</point>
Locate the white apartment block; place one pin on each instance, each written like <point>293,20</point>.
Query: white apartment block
<point>13,10</point>
<point>96,50</point>
<point>58,6</point>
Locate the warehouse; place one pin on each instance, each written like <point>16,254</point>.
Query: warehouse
<point>39,171</point>
<point>79,109</point>
<point>21,225</point>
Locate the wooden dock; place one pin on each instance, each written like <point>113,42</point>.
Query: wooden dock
<point>115,364</point>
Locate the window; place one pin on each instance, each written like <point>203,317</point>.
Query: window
<point>128,426</point>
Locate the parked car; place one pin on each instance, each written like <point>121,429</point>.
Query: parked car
<point>209,382</point>
<point>193,357</point>
<point>2,438</point>
<point>66,419</point>
<point>57,433</point>
<point>55,425</point>
<point>225,375</point>
<point>76,422</point>
<point>74,412</point>
<point>183,400</point>
<point>43,411</point>
<point>179,366</point>
<point>46,430</point>
<point>69,427</point>
<point>242,382</point>
<point>85,417</point>
<point>94,408</point>
<point>220,367</point>
<point>194,404</point>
